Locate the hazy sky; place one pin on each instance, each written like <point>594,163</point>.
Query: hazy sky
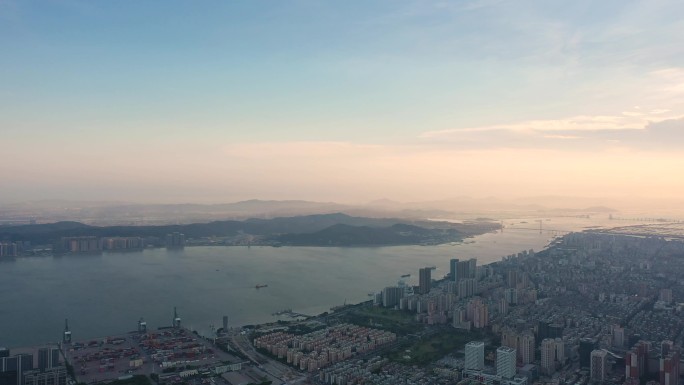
<point>216,101</point>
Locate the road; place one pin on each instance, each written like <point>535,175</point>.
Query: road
<point>274,368</point>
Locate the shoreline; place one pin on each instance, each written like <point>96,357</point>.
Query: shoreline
<point>133,251</point>
<point>330,309</point>
<point>488,248</point>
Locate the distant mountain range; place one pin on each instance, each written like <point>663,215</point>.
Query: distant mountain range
<point>134,214</point>
<point>311,230</point>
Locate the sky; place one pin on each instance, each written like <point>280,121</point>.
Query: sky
<point>348,101</point>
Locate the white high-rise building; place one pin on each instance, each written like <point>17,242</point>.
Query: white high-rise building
<point>598,365</point>
<point>505,362</point>
<point>474,355</point>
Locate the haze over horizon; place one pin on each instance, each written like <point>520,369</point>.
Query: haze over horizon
<point>347,102</point>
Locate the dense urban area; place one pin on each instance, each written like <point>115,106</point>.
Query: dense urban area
<point>350,192</point>
<point>594,307</point>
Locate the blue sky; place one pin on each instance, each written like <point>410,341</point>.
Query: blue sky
<point>333,95</point>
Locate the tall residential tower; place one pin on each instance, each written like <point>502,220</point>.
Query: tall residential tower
<point>474,355</point>
<point>424,280</point>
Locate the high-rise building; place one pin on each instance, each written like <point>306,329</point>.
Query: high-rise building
<point>512,278</point>
<point>79,245</point>
<point>472,268</point>
<point>9,249</point>
<point>505,362</point>
<point>462,270</point>
<point>548,356</point>
<point>524,281</point>
<point>467,287</point>
<point>599,365</point>
<point>424,280</point>
<point>509,338</point>
<point>542,330</point>
<point>526,348</point>
<point>586,346</point>
<point>474,355</point>
<point>460,320</point>
<point>666,347</point>
<point>560,350</point>
<point>453,269</point>
<point>478,313</point>
<point>123,243</point>
<point>48,358</point>
<point>511,296</point>
<point>669,369</point>
<point>12,368</point>
<point>632,365</point>
<point>636,361</point>
<point>175,240</point>
<point>485,271</point>
<point>391,296</point>
<point>503,306</point>
<point>432,307</point>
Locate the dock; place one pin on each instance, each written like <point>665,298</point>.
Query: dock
<point>290,313</point>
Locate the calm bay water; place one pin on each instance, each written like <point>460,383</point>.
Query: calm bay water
<point>107,294</point>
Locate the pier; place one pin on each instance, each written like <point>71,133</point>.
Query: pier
<point>290,313</point>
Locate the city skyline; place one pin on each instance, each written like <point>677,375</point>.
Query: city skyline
<point>344,102</point>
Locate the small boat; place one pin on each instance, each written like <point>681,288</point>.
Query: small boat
<point>260,286</point>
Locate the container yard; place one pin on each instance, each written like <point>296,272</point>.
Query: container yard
<point>170,353</point>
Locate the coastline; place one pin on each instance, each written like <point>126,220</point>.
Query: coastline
<point>209,282</point>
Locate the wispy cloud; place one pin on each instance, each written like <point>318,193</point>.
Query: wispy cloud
<point>660,104</point>
<point>628,120</point>
<point>639,131</point>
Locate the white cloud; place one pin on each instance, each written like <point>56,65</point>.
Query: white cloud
<point>626,121</point>
<point>661,99</point>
